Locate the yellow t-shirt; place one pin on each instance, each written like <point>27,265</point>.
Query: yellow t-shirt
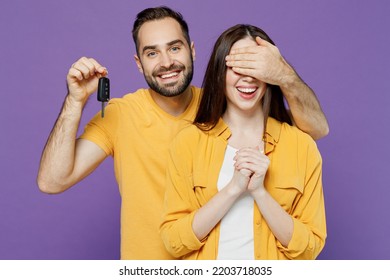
<point>137,133</point>
<point>294,180</point>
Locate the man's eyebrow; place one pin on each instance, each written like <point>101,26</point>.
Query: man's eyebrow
<point>175,42</point>
<point>171,43</point>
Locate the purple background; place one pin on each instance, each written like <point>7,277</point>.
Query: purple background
<point>340,48</point>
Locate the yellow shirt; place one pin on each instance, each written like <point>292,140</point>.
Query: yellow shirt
<point>294,179</point>
<point>137,133</point>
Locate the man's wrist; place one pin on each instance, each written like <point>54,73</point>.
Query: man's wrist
<point>290,80</point>
<point>72,106</point>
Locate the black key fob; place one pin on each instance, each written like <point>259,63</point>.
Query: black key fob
<point>103,94</point>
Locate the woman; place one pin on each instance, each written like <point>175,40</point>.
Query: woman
<point>242,183</point>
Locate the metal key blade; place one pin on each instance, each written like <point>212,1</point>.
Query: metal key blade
<point>102,112</point>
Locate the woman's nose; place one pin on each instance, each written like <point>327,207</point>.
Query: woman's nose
<point>248,79</point>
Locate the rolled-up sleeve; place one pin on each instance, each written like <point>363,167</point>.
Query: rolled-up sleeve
<point>309,233</point>
<point>180,204</point>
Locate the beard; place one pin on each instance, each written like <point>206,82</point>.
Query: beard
<point>175,88</point>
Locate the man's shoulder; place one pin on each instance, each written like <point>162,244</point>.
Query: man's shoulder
<point>142,95</point>
<point>189,135</point>
<point>197,91</point>
<point>138,97</point>
<point>139,94</point>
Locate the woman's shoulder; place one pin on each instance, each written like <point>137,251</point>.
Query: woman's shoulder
<point>294,143</point>
<point>292,136</point>
<point>291,131</point>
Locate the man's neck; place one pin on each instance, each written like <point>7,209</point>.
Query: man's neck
<point>175,105</point>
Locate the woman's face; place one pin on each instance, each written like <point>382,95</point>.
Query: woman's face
<point>244,92</point>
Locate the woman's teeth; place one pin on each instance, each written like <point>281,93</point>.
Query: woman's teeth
<point>246,90</point>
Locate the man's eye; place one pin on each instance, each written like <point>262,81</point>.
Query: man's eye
<point>175,49</point>
<point>151,54</point>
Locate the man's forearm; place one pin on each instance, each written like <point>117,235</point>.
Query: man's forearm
<point>304,106</point>
<point>57,159</point>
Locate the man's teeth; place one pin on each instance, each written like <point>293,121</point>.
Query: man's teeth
<point>170,75</point>
<point>246,90</point>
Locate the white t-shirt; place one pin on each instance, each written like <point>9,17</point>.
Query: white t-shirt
<point>236,232</point>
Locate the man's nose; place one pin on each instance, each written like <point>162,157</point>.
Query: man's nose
<point>166,60</point>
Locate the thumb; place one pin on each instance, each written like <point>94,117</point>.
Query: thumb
<point>260,148</point>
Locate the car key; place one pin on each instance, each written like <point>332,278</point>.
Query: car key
<point>103,94</point>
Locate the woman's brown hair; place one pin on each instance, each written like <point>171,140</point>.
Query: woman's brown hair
<point>213,102</point>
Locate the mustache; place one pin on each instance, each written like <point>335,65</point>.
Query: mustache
<point>163,69</point>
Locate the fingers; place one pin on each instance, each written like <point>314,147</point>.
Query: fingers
<point>242,61</point>
<point>85,68</point>
<point>262,42</point>
<point>245,172</point>
<point>243,64</point>
<point>242,57</point>
<point>246,63</point>
<point>252,159</point>
<point>99,69</point>
<point>244,50</point>
<point>253,54</point>
<point>246,72</point>
<point>254,152</point>
<point>246,53</point>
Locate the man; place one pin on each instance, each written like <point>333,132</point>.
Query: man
<point>138,128</point>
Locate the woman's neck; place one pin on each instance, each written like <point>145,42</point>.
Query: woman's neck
<point>247,129</point>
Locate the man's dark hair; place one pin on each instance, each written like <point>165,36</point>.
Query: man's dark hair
<point>158,13</point>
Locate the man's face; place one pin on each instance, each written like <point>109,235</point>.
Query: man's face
<point>165,58</point>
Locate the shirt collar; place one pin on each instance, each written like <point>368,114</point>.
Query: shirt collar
<point>272,134</point>
<point>221,130</point>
